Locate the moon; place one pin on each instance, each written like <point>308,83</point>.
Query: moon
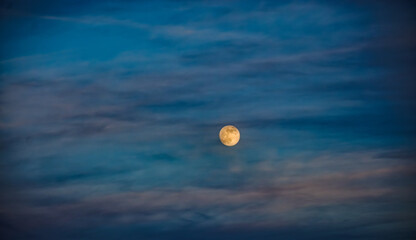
<point>229,135</point>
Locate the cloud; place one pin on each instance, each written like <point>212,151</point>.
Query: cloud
<point>265,203</point>
<point>168,30</point>
<point>118,134</point>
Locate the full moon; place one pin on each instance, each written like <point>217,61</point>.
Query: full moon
<point>229,135</point>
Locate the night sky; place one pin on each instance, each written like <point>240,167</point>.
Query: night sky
<point>110,113</point>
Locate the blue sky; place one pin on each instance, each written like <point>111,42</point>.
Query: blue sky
<point>110,113</point>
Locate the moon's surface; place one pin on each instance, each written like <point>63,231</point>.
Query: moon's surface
<point>229,135</point>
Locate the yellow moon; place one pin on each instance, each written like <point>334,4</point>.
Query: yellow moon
<point>229,135</point>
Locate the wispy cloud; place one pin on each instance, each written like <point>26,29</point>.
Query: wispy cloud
<point>262,206</point>
<point>111,111</point>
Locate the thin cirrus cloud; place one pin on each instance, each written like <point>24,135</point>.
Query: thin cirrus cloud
<point>203,208</point>
<point>111,111</point>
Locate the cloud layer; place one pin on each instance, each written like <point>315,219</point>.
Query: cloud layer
<point>110,113</point>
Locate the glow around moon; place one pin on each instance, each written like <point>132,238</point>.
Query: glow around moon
<point>229,135</point>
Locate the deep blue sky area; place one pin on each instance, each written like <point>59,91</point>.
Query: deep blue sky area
<point>110,113</point>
